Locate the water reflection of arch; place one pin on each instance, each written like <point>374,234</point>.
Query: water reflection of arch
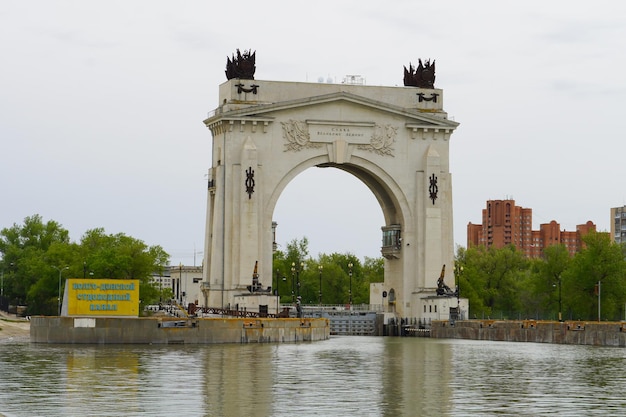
<point>417,376</point>
<point>232,372</point>
<point>87,366</point>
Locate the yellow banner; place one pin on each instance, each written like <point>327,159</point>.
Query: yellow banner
<point>102,297</point>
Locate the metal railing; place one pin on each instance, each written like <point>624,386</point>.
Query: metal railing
<point>340,307</point>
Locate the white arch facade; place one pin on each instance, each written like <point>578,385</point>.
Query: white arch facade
<point>394,139</point>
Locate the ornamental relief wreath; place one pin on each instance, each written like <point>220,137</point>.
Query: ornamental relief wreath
<point>381,140</point>
<point>296,133</point>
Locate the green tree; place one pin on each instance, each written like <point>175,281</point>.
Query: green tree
<point>295,265</point>
<point>548,285</point>
<point>338,284</point>
<point>123,257</point>
<point>280,283</point>
<point>374,269</point>
<point>471,280</point>
<point>38,257</point>
<point>289,269</point>
<point>532,304</point>
<point>491,279</point>
<point>52,269</point>
<point>25,249</point>
<point>600,261</point>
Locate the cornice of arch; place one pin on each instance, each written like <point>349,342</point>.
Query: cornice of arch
<point>219,125</point>
<point>420,119</point>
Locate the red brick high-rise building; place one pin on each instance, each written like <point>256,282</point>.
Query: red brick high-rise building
<point>504,223</point>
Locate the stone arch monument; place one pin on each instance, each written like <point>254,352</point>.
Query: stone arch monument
<point>394,139</point>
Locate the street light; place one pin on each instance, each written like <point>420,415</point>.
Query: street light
<point>560,307</point>
<point>284,279</point>
<point>558,280</point>
<point>293,282</point>
<point>599,293</point>
<point>59,297</point>
<point>320,269</point>
<point>350,265</point>
<point>296,270</point>
<point>275,287</point>
<point>458,290</point>
<point>298,277</point>
<point>276,290</point>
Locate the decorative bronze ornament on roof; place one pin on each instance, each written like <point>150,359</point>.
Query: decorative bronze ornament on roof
<point>423,76</point>
<point>242,66</point>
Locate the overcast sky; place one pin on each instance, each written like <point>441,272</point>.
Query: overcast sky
<point>102,103</point>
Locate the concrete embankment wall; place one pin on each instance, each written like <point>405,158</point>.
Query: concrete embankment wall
<point>568,332</point>
<point>176,331</point>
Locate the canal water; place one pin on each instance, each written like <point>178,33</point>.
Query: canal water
<point>343,376</point>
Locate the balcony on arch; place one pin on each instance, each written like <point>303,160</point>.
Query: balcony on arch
<point>392,241</point>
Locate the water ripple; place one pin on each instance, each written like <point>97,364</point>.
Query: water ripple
<point>364,376</point>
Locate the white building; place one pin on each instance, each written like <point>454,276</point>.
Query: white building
<point>184,281</point>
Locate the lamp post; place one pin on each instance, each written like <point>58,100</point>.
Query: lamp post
<point>458,291</point>
<point>350,265</point>
<point>320,269</point>
<point>276,290</point>
<point>180,282</point>
<point>293,282</point>
<point>284,279</point>
<point>560,306</point>
<point>59,297</point>
<point>275,287</point>
<point>558,282</point>
<point>599,292</point>
<point>298,277</point>
<point>295,270</point>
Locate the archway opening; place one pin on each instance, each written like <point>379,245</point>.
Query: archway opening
<point>334,210</point>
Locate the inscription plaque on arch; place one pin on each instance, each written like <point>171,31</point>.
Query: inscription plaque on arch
<point>351,133</point>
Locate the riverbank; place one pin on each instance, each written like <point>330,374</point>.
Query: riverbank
<point>567,332</point>
<point>172,330</point>
<point>13,329</point>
